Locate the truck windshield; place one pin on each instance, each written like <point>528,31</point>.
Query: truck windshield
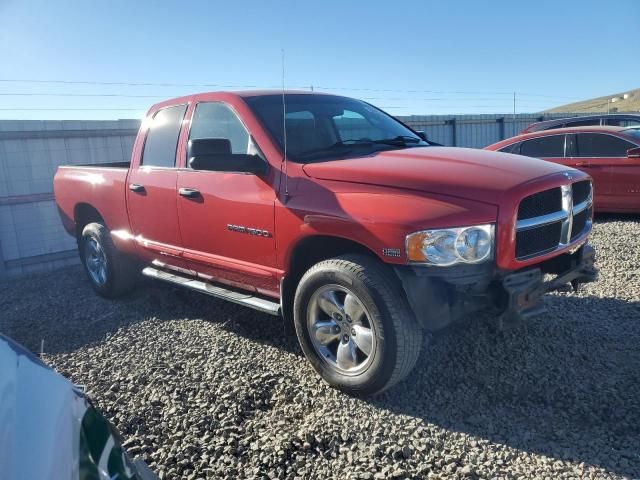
<point>328,127</point>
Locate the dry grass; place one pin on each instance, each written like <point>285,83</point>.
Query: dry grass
<point>600,104</point>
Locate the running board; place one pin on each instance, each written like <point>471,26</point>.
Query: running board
<point>246,299</point>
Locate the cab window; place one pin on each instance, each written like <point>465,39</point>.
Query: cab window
<point>217,120</point>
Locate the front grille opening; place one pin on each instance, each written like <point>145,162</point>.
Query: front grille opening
<point>581,191</point>
<point>538,241</point>
<point>541,203</point>
<point>580,222</point>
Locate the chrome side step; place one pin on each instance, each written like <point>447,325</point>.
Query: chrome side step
<point>246,299</point>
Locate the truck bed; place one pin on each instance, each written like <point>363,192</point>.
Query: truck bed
<point>101,186</point>
<point>100,165</point>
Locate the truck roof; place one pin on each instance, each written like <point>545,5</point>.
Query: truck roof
<point>228,93</point>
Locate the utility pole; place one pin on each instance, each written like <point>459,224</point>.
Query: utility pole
<point>514,113</point>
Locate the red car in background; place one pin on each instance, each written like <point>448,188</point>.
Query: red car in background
<point>611,155</point>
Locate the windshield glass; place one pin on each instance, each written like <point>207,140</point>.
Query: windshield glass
<point>328,127</point>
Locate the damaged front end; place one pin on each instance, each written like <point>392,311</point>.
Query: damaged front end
<point>439,297</point>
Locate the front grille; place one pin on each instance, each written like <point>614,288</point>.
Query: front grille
<point>537,241</point>
<point>581,191</point>
<point>580,221</point>
<point>541,203</point>
<point>546,221</point>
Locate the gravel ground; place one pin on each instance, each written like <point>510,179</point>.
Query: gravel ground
<point>203,389</point>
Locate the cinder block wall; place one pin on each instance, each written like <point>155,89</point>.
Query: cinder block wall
<point>31,235</point>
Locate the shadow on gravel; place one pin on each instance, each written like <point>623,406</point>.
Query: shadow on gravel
<point>567,385</point>
<point>47,307</point>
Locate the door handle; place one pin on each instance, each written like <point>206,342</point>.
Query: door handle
<point>134,187</point>
<point>582,164</point>
<point>189,193</point>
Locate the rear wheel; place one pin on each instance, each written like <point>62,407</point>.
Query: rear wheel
<point>354,324</point>
<point>110,272</point>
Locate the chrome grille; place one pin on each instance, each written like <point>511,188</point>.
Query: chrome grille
<point>553,218</point>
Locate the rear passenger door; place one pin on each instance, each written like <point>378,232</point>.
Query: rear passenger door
<point>616,177</point>
<point>151,189</point>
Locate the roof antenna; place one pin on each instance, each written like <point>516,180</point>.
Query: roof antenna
<point>284,130</point>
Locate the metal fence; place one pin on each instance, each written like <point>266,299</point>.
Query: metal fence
<point>31,235</point>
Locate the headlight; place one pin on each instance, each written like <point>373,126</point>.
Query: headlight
<point>449,246</point>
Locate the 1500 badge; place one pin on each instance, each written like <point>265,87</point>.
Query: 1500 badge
<point>250,231</point>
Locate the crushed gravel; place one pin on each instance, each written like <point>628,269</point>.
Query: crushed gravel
<point>200,388</point>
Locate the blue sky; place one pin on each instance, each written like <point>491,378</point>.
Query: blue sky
<point>422,57</point>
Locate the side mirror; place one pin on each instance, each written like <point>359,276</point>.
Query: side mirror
<point>633,152</point>
<point>214,154</point>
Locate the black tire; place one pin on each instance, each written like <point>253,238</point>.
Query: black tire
<point>398,337</point>
<point>120,274</point>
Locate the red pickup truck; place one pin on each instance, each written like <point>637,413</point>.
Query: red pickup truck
<point>327,211</point>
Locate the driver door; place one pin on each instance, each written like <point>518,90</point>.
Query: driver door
<point>227,226</point>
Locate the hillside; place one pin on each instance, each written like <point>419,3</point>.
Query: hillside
<point>616,103</point>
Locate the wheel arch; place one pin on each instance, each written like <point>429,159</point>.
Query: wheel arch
<point>84,214</point>
<point>304,254</point>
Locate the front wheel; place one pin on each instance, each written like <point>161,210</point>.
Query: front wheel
<point>354,325</point>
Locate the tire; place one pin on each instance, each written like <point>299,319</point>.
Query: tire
<point>387,327</point>
<point>110,272</point>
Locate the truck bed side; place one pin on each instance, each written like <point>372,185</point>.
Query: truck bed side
<point>86,188</point>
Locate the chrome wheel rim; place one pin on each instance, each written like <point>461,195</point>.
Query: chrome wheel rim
<point>96,261</point>
<point>341,330</point>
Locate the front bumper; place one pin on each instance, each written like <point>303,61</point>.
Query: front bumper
<point>440,296</point>
<point>524,290</point>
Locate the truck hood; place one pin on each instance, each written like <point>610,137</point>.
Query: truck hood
<point>472,174</point>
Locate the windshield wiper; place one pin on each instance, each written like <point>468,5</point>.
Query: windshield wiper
<point>399,141</point>
<point>402,140</point>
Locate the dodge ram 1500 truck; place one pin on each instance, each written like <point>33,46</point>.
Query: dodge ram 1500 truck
<point>333,214</point>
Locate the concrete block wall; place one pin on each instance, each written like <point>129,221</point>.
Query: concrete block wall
<point>31,235</point>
